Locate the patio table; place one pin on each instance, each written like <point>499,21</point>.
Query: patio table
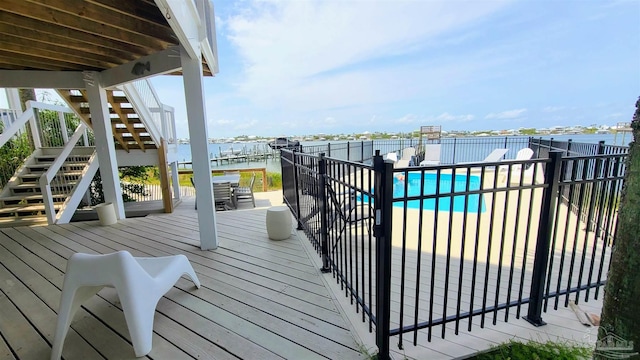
<point>234,179</point>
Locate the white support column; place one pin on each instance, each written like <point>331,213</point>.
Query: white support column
<point>197,119</point>
<point>175,180</point>
<point>13,98</point>
<point>105,146</point>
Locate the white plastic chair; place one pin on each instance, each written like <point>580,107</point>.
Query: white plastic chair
<point>516,170</point>
<point>495,156</point>
<point>392,156</point>
<point>140,283</point>
<point>431,155</point>
<point>408,153</point>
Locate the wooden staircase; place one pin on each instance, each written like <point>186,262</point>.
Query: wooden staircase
<point>21,203</point>
<point>128,130</point>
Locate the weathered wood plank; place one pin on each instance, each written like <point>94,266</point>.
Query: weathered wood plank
<point>24,340</point>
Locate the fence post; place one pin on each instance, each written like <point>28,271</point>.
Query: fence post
<point>601,147</point>
<point>362,150</point>
<point>569,147</point>
<point>329,149</point>
<point>348,151</point>
<point>296,187</point>
<point>383,197</point>
<point>453,161</point>
<point>322,191</point>
<point>545,231</point>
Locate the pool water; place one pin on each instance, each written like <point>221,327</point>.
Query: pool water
<point>473,202</point>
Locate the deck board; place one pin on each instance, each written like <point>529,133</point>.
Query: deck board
<point>259,299</point>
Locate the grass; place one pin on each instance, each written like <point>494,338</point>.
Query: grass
<point>533,350</point>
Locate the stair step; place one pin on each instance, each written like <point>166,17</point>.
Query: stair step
<point>34,177</point>
<point>34,188</point>
<point>134,145</point>
<point>33,198</point>
<point>37,220</point>
<point>44,166</point>
<point>124,110</point>
<point>16,210</point>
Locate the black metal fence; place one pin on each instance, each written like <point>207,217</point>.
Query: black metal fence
<point>418,248</point>
<point>453,150</point>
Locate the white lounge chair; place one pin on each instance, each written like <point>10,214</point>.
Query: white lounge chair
<point>392,156</point>
<point>495,156</point>
<point>408,153</point>
<point>402,163</point>
<point>516,169</point>
<point>431,155</point>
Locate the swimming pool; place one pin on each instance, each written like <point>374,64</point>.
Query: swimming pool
<point>474,202</point>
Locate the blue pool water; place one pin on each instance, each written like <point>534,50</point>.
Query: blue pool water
<point>429,188</point>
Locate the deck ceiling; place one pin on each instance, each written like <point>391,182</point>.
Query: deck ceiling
<point>80,35</point>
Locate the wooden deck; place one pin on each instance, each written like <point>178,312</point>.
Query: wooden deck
<point>260,299</point>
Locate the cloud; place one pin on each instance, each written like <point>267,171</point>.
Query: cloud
<point>446,117</point>
<point>407,119</point>
<point>508,114</point>
<point>549,109</point>
<point>336,53</point>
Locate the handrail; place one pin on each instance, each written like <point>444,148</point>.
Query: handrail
<point>52,172</point>
<point>144,100</point>
<point>16,126</point>
<point>72,201</point>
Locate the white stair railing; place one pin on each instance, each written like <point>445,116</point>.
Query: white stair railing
<point>157,117</point>
<point>64,174</point>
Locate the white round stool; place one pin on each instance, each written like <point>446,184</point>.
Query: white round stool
<point>278,223</point>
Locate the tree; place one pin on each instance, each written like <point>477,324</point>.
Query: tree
<point>621,309</point>
<point>26,95</point>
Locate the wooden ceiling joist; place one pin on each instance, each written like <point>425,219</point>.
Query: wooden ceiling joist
<point>58,43</point>
<point>84,35</point>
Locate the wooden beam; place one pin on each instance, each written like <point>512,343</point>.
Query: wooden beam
<point>53,17</point>
<point>140,10</point>
<point>57,53</point>
<point>88,11</point>
<point>41,79</point>
<point>67,45</point>
<point>115,45</point>
<point>167,201</point>
<point>11,61</point>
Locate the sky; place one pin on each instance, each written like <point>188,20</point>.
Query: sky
<point>291,68</point>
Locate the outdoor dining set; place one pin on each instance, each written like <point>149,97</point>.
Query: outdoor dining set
<point>227,192</point>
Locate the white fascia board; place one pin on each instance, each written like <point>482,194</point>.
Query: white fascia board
<point>162,62</point>
<point>182,16</point>
<point>27,79</point>
<point>212,60</point>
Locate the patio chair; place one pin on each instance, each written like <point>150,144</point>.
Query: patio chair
<point>245,193</point>
<point>348,212</point>
<point>402,163</point>
<point>431,155</point>
<point>223,196</point>
<point>408,153</point>
<point>140,283</point>
<point>392,156</point>
<point>516,169</point>
<point>495,156</point>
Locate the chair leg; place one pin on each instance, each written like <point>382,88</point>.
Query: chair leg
<point>70,301</point>
<point>139,317</point>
